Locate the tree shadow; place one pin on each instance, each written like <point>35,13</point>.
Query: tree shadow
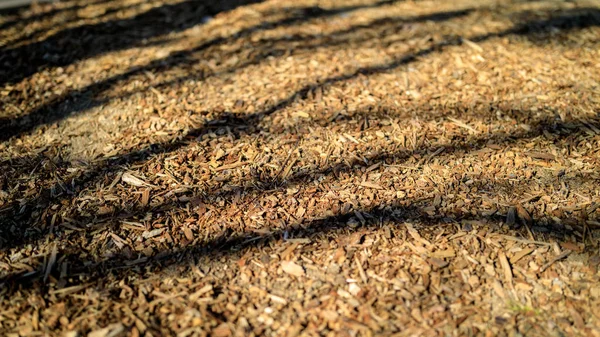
<point>251,121</point>
<point>86,41</point>
<point>56,110</point>
<point>409,209</point>
<point>17,18</point>
<point>65,17</point>
<point>238,126</point>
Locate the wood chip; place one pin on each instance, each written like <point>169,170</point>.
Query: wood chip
<point>508,275</point>
<point>462,124</point>
<point>292,268</point>
<point>51,262</point>
<point>132,180</point>
<point>523,214</point>
<point>202,291</point>
<point>540,155</point>
<point>521,254</point>
<point>472,45</point>
<point>234,168</point>
<point>368,184</point>
<point>109,331</point>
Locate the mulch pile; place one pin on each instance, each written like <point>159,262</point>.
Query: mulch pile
<point>289,168</point>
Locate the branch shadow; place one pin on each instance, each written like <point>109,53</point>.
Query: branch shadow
<point>227,242</point>
<point>65,16</point>
<point>86,41</point>
<point>55,110</point>
<point>18,19</point>
<point>248,122</point>
<point>82,42</point>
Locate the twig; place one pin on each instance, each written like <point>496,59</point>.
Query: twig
<point>558,258</point>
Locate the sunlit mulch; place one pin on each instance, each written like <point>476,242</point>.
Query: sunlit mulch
<point>292,168</point>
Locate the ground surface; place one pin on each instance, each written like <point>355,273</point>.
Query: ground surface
<point>346,168</point>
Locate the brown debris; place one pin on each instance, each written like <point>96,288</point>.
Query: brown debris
<point>292,268</point>
<point>292,168</point>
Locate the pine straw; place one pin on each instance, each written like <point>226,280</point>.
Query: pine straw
<point>283,168</point>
